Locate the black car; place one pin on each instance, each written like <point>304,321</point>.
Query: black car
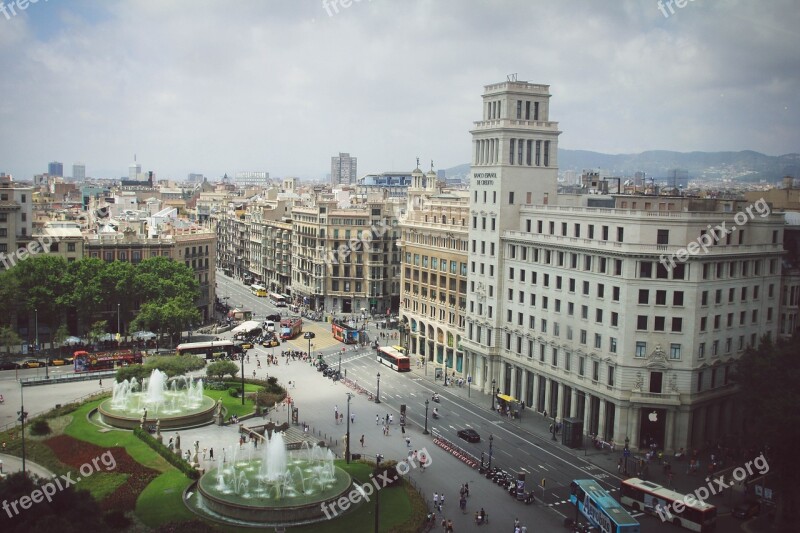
<point>8,365</point>
<point>273,318</point>
<point>469,435</point>
<point>746,509</point>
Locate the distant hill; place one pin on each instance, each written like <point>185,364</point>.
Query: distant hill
<point>745,165</point>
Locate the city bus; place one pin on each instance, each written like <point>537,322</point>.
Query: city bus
<point>600,508</point>
<point>393,358</point>
<point>277,300</point>
<point>693,514</point>
<point>344,333</point>
<point>209,350</point>
<point>92,362</point>
<point>258,290</point>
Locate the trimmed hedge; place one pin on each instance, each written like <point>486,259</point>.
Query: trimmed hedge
<point>171,457</point>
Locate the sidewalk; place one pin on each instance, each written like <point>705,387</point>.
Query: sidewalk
<point>12,464</point>
<point>533,423</point>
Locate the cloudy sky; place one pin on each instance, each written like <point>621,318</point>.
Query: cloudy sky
<point>282,85</point>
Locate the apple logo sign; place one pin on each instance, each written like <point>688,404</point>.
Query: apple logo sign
<point>653,416</point>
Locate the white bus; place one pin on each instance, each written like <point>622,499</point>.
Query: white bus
<point>669,506</point>
<point>277,300</point>
<point>258,290</point>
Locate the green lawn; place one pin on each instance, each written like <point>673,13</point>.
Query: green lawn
<point>101,484</point>
<point>82,429</point>
<point>162,500</point>
<point>233,405</point>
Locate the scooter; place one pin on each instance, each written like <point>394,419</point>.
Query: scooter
<point>435,415</point>
<point>435,398</point>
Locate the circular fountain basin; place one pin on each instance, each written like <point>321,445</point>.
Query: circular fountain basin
<point>183,417</point>
<point>260,503</point>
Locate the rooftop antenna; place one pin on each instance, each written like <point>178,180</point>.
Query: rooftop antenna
<point>431,165</point>
<point>417,161</point>
<point>512,77</point>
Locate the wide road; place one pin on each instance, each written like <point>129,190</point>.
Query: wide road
<point>514,450</point>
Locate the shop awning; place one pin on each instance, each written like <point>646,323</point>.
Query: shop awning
<point>506,397</point>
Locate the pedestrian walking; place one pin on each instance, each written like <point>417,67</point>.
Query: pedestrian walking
<point>362,441</point>
<point>101,383</point>
<point>408,442</point>
<point>391,419</point>
<point>210,453</point>
<point>377,419</point>
<point>436,500</point>
<point>352,418</point>
<point>441,502</point>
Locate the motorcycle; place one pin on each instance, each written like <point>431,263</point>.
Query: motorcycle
<point>435,398</point>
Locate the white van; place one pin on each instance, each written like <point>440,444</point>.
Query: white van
<point>269,326</point>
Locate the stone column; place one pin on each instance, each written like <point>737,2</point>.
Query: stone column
<point>635,414</point>
<point>669,432</point>
<point>547,391</point>
<point>601,420</point>
<point>573,405</point>
<point>512,379</point>
<point>523,393</point>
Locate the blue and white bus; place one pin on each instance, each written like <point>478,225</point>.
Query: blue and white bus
<point>600,508</point>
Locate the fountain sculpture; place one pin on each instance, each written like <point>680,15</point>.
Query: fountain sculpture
<point>178,402</point>
<point>272,486</point>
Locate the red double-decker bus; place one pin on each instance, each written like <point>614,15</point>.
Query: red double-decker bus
<point>93,362</point>
<point>291,328</point>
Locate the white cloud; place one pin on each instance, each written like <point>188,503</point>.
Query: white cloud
<point>214,87</point>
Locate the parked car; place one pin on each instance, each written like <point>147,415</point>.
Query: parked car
<point>32,363</point>
<point>246,345</point>
<point>746,509</point>
<point>7,364</point>
<point>56,361</point>
<point>469,435</point>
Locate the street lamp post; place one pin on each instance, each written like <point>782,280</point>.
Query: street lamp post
<point>347,437</point>
<point>491,442</point>
<point>22,416</point>
<point>493,383</point>
<point>118,330</point>
<point>36,340</point>
<point>426,417</point>
<point>340,363</point>
<point>378,459</point>
<point>241,358</point>
<point>378,395</point>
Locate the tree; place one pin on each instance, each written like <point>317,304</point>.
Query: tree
<point>768,377</point>
<point>10,295</point>
<point>218,369</point>
<point>84,293</point>
<point>9,338</point>
<point>97,330</point>
<point>160,279</point>
<point>60,335</point>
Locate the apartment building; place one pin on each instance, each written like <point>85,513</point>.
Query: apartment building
<point>196,247</point>
<point>269,233</point>
<point>607,309</point>
<point>433,242</point>
<point>344,260</point>
<point>344,169</point>
<point>16,220</point>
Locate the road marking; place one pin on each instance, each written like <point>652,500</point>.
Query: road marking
<point>543,468</point>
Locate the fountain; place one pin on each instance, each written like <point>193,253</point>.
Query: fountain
<point>177,403</point>
<point>273,486</point>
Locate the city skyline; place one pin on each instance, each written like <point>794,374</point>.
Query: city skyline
<point>216,90</point>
